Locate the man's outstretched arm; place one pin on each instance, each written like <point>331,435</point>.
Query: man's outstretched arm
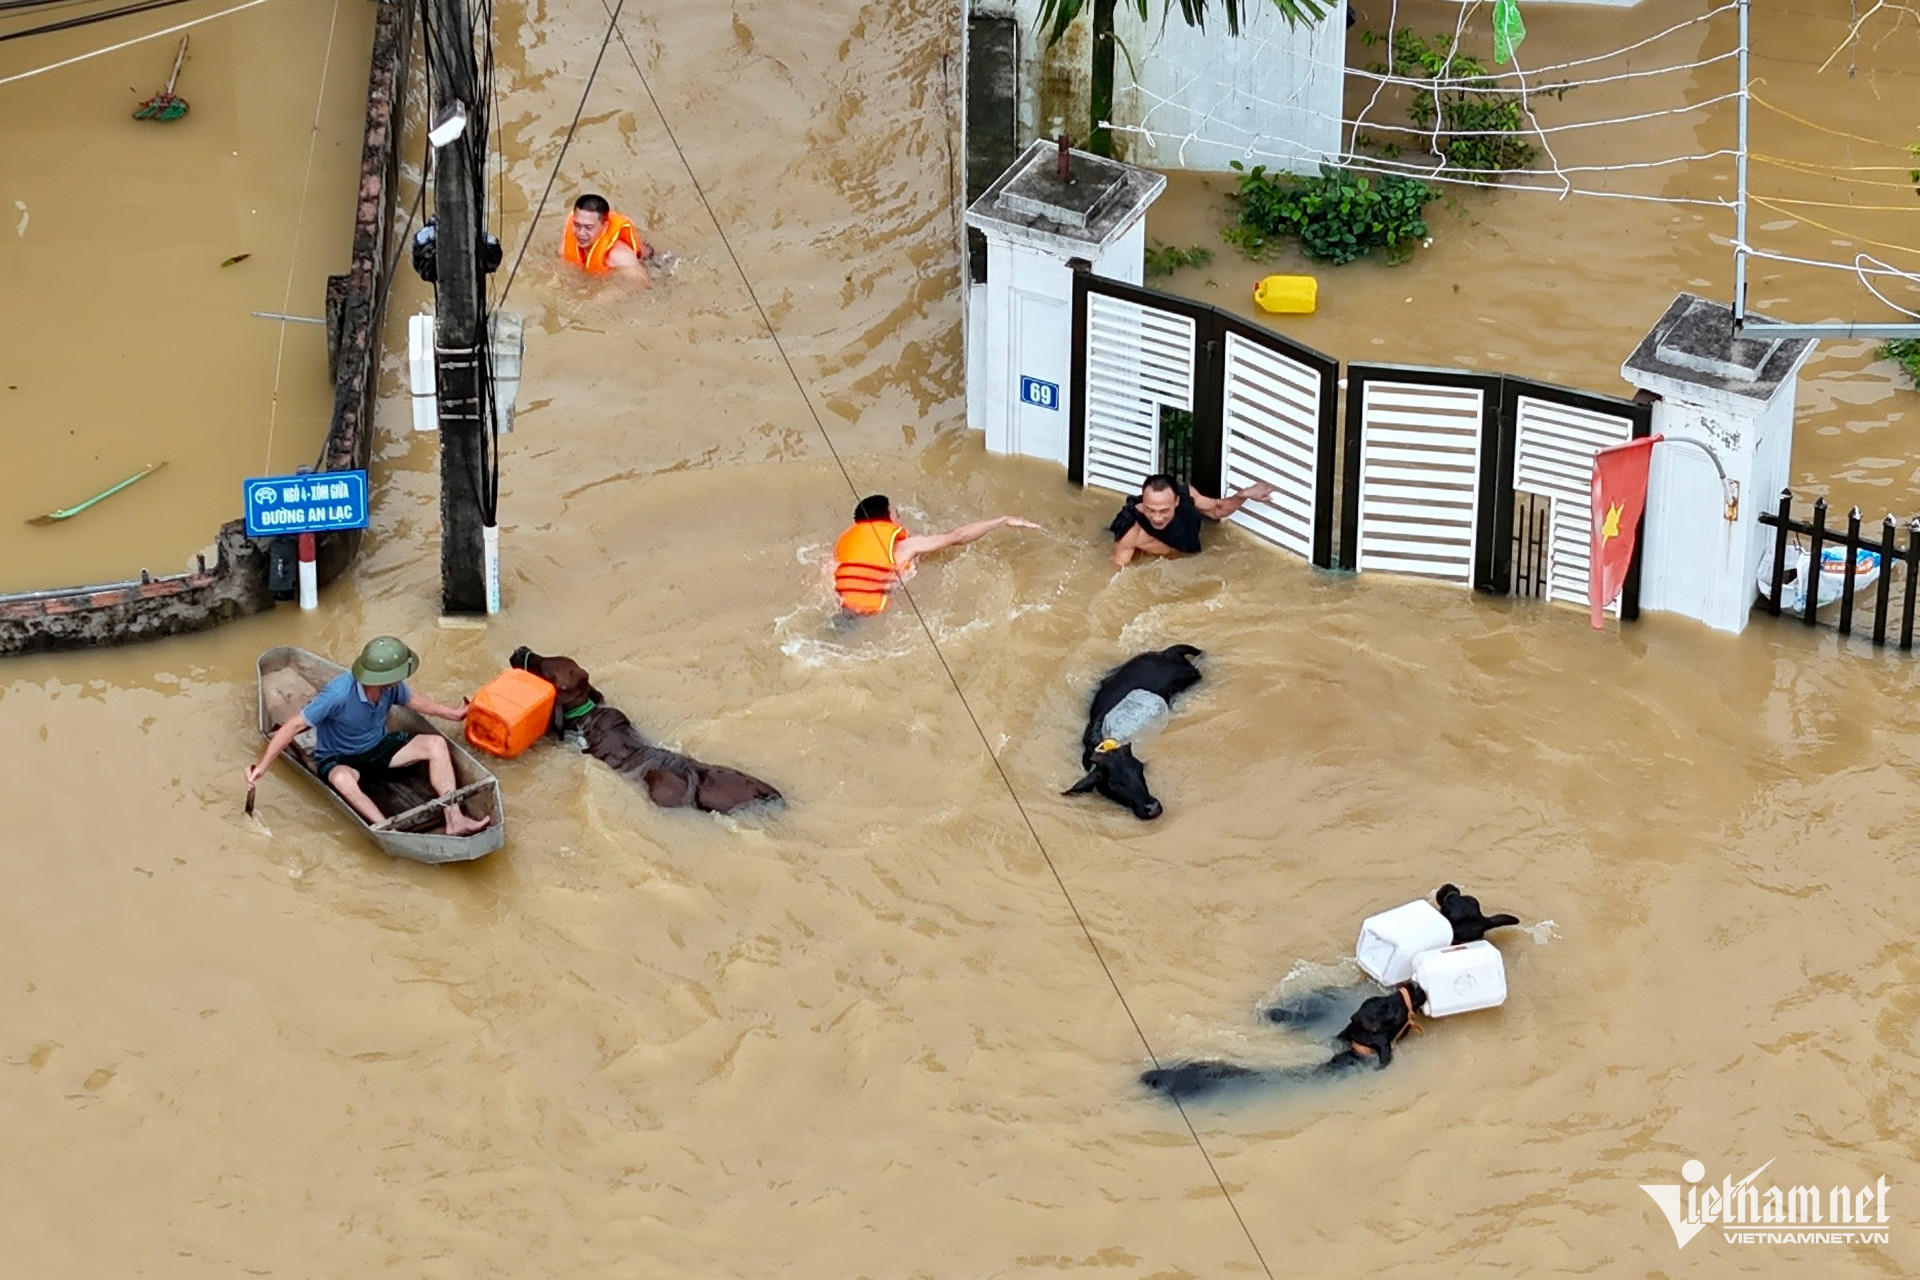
<point>916,545</point>
<point>1221,508</point>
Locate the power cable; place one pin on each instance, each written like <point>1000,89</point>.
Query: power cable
<point>299,220</point>
<point>88,19</point>
<point>128,44</point>
<point>919,615</point>
<point>612,26</point>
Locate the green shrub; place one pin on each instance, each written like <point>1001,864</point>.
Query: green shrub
<point>1476,126</point>
<point>1164,260</point>
<point>1337,217</point>
<point>1904,352</point>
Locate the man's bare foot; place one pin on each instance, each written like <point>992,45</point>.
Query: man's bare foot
<point>459,824</point>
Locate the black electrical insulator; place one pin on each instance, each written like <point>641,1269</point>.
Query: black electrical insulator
<point>491,254</point>
<point>423,252</point>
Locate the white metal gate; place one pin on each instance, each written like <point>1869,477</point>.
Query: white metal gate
<point>1278,410</point>
<point>1417,454</point>
<point>1553,459</point>
<point>1139,359</point>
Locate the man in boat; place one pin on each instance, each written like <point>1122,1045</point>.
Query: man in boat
<point>875,554</point>
<point>1165,519</point>
<point>600,241</point>
<point>351,744</point>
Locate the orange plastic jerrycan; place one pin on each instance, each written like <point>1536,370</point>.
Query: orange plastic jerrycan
<point>510,713</point>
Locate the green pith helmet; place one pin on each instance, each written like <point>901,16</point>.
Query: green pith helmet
<point>385,660</point>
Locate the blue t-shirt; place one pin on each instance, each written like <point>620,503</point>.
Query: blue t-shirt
<point>344,722</point>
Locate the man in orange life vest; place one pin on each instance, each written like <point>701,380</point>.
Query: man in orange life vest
<point>598,240</point>
<point>876,553</point>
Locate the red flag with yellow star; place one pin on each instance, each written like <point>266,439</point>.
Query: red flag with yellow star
<point>1619,496</point>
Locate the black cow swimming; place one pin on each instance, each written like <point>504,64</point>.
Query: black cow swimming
<point>1112,768</point>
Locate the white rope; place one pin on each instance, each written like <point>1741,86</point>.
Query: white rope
<point>1860,271</point>
<point>1546,145</point>
<point>128,44</point>
<point>1393,26</point>
<point>1173,102</point>
<point>1367,164</point>
<point>1474,82</point>
<point>1856,268</point>
<point>299,217</point>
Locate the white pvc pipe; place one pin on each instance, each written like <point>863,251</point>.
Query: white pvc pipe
<point>309,573</point>
<point>490,550</point>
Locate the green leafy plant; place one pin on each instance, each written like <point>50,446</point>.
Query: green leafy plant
<point>1337,217</point>
<point>1476,124</point>
<point>1165,259</point>
<point>1904,352</point>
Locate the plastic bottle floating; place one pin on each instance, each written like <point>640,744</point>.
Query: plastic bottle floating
<point>510,713</point>
<point>1287,295</point>
<point>1832,577</point>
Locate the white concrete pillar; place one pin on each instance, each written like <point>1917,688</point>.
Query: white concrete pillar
<point>1019,349</point>
<point>1736,397</point>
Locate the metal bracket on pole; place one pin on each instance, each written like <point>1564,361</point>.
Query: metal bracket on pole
<point>1729,489</point>
<point>457,360</point>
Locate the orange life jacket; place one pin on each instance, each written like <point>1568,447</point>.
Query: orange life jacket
<point>864,569</point>
<point>617,229</point>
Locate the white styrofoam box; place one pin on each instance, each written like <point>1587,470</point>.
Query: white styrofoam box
<point>1389,941</point>
<point>507,347</point>
<point>1461,979</point>
<point>420,374</point>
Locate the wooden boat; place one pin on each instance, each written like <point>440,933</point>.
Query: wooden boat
<point>289,678</point>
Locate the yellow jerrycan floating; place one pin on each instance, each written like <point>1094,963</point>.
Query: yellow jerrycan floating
<point>1287,295</point>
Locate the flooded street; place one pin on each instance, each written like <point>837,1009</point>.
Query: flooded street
<point>893,1028</point>
<point>126,341</point>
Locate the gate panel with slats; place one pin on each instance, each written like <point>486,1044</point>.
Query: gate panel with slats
<point>1138,359</point>
<point>1277,403</point>
<point>1557,434</point>
<point>1417,451</point>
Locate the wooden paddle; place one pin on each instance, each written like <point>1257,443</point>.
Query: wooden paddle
<point>68,513</point>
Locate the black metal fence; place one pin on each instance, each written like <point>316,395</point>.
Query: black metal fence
<point>1531,514</point>
<point>1176,443</point>
<point>1802,578</point>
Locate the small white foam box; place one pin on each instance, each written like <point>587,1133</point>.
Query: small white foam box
<point>420,373</point>
<point>1390,941</point>
<point>1461,979</point>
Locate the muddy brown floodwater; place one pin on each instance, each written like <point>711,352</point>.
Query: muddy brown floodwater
<point>125,341</point>
<point>890,1029</point>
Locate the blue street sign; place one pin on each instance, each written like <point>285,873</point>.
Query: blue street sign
<point>1035,391</point>
<point>312,503</point>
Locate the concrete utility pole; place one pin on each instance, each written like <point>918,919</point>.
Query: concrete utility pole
<point>458,303</point>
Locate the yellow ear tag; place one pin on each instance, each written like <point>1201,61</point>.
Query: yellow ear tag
<point>1108,745</point>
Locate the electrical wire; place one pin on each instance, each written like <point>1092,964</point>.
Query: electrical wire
<point>88,19</point>
<point>613,24</point>
<point>128,44</point>
<point>299,221</point>
<point>926,627</point>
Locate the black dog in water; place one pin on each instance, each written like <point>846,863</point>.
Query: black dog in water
<point>1368,1037</point>
<point>1464,914</point>
<point>1112,769</point>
